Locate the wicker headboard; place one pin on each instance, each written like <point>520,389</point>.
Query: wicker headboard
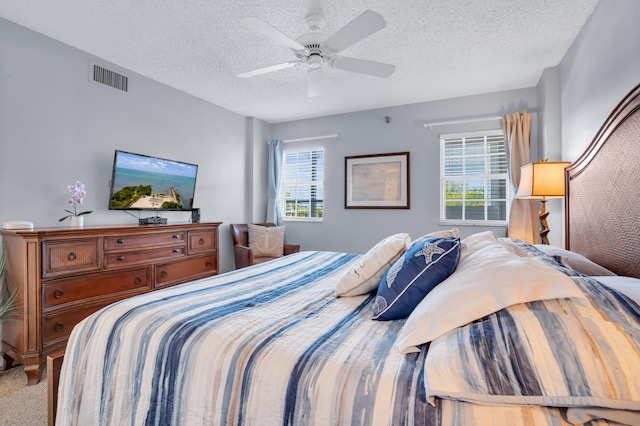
<point>603,193</point>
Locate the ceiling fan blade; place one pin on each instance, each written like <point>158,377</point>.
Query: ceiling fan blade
<point>360,28</point>
<point>376,69</point>
<point>270,31</point>
<point>315,82</point>
<point>270,68</point>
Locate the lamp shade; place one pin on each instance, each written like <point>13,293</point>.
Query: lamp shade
<point>542,180</point>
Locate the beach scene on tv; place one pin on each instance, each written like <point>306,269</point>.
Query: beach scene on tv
<point>141,182</point>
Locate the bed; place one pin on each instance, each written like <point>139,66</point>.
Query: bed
<point>534,336</point>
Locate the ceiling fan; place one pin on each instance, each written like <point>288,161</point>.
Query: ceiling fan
<point>318,50</point>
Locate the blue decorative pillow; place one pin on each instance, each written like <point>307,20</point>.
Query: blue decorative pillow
<point>416,273</point>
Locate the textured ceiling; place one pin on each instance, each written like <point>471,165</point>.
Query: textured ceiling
<point>441,48</point>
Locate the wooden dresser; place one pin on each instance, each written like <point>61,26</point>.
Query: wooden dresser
<point>62,275</point>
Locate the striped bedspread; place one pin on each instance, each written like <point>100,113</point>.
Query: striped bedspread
<point>271,345</point>
<point>584,359</point>
<point>265,345</point>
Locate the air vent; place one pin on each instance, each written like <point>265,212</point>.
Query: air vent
<point>110,78</point>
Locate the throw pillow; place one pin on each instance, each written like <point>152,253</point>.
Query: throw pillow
<point>365,276</point>
<point>416,273</point>
<point>487,280</point>
<point>266,241</point>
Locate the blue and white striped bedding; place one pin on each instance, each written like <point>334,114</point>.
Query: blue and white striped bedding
<point>268,344</point>
<point>556,353</point>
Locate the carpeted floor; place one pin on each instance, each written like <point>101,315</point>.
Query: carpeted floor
<point>21,404</point>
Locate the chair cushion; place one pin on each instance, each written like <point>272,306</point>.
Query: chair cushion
<point>266,241</point>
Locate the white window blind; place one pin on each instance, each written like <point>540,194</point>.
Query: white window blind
<point>302,189</point>
<point>475,184</point>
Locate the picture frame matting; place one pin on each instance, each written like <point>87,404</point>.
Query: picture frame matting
<point>377,181</point>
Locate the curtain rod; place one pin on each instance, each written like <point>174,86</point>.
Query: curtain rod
<point>313,138</point>
<point>468,120</point>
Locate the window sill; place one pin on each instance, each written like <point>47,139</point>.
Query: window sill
<point>302,219</point>
<point>471,223</point>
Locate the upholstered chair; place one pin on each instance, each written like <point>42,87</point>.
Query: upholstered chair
<point>244,255</point>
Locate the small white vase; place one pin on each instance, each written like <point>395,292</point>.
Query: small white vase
<point>77,221</point>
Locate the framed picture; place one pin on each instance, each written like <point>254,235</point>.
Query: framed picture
<point>379,181</point>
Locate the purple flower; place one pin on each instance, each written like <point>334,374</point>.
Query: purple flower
<point>78,193</point>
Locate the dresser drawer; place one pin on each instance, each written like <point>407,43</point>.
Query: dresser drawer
<point>57,327</point>
<point>117,260</point>
<point>133,241</point>
<point>63,258</point>
<point>66,291</point>
<point>201,241</point>
<point>188,269</point>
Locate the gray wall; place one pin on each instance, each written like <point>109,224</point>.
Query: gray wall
<point>56,127</point>
<point>259,190</point>
<point>366,132</point>
<point>549,144</point>
<point>600,68</point>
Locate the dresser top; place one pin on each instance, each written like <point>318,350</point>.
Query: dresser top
<point>106,229</point>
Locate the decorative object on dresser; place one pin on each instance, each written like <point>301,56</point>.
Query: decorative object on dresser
<point>62,275</point>
<point>77,192</point>
<point>17,224</point>
<point>539,181</point>
<point>244,254</point>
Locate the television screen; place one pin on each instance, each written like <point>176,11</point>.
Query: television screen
<point>142,182</point>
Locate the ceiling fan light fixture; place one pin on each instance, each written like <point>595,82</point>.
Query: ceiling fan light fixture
<point>315,82</point>
<point>315,61</point>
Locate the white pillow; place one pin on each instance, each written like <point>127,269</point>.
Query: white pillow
<point>627,285</point>
<point>365,276</point>
<point>446,233</point>
<point>477,241</point>
<point>486,280</point>
<point>266,241</point>
<point>575,261</point>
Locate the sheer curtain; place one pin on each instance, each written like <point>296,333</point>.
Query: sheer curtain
<point>274,215</point>
<point>523,216</point>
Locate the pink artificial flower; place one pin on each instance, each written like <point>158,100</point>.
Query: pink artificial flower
<point>77,192</point>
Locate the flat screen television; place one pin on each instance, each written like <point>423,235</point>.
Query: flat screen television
<point>143,182</point>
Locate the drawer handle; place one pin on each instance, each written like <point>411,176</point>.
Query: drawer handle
<point>120,241</point>
<point>59,327</point>
<point>120,258</point>
<point>164,274</point>
<point>176,250</point>
<point>176,236</point>
<point>201,242</point>
<point>207,264</point>
<point>72,256</point>
<point>138,280</point>
<point>58,293</point>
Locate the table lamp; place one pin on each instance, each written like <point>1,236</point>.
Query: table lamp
<point>540,181</point>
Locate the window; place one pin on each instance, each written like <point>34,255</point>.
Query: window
<point>302,191</point>
<point>475,184</point>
